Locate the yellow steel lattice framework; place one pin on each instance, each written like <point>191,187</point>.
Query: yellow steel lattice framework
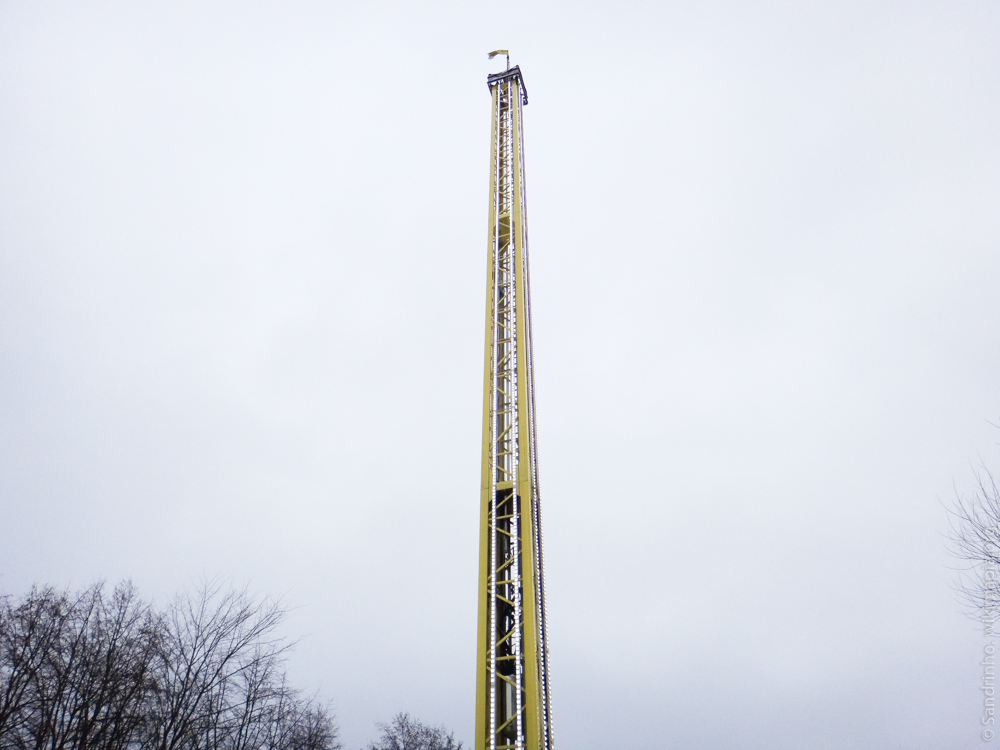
<point>512,688</point>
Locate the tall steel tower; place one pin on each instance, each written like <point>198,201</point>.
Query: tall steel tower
<point>512,686</point>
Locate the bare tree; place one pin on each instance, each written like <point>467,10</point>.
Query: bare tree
<point>220,653</point>
<point>29,632</point>
<point>96,672</point>
<point>404,733</point>
<point>92,688</point>
<point>75,669</point>
<point>312,728</point>
<point>975,539</point>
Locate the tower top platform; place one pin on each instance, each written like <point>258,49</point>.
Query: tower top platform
<point>505,75</point>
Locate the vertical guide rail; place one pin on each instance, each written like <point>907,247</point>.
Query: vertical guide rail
<point>544,707</point>
<point>512,711</point>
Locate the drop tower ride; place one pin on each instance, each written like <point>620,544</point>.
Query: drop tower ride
<point>512,685</point>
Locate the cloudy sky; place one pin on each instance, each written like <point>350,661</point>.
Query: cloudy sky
<point>242,274</point>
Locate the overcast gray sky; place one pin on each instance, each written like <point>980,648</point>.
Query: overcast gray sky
<point>242,268</point>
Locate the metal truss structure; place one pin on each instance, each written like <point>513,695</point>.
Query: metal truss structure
<point>512,687</point>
